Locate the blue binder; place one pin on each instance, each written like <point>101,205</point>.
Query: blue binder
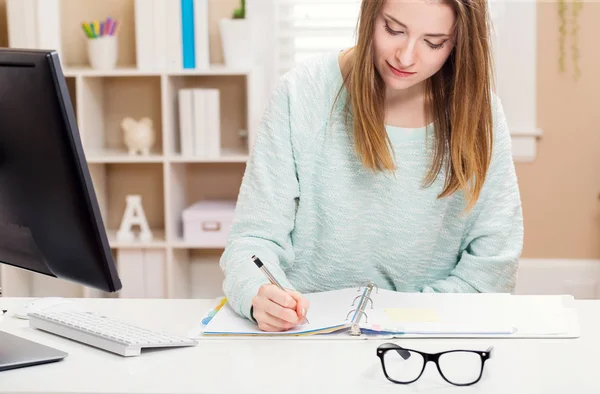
<point>187,33</point>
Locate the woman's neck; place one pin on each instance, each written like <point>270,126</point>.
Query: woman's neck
<point>406,107</point>
<point>409,95</point>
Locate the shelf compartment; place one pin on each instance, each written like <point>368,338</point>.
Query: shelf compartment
<point>73,41</point>
<point>106,101</point>
<point>189,183</point>
<point>233,114</point>
<point>113,182</point>
<point>195,273</point>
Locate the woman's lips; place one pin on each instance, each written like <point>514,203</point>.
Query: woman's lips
<point>400,73</point>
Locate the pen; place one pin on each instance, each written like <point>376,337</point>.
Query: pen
<point>108,27</point>
<point>87,30</point>
<point>270,276</point>
<point>114,27</point>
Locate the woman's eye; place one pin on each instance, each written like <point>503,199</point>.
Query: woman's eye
<point>436,46</point>
<point>392,32</point>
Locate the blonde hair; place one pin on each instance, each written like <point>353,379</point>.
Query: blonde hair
<point>458,101</point>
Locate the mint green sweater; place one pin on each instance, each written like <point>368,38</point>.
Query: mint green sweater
<point>321,221</point>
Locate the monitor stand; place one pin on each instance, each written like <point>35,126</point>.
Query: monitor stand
<point>17,352</point>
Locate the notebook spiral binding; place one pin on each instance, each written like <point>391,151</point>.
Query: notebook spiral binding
<point>359,311</point>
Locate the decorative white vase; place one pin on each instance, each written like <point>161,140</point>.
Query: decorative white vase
<point>237,42</point>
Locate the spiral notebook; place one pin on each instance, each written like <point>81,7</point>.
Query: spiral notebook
<point>367,310</point>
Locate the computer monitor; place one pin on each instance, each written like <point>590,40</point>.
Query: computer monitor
<point>50,221</point>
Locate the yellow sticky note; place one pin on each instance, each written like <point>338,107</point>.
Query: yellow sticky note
<point>412,315</point>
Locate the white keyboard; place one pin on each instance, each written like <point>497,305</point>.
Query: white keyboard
<point>104,332</point>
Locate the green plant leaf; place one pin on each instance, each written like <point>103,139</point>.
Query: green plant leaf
<point>240,13</point>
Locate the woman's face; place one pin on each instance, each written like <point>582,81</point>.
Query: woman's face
<point>412,40</point>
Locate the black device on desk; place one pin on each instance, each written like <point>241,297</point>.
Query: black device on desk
<point>50,221</point>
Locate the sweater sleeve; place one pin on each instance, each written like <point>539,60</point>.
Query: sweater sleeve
<point>493,244</point>
<point>265,209</point>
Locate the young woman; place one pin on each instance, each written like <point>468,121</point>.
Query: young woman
<point>389,162</point>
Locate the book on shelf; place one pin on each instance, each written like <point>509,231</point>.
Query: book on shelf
<point>154,273</point>
<point>199,122</point>
<point>34,24</point>
<point>142,272</point>
<point>171,35</point>
<point>144,38</point>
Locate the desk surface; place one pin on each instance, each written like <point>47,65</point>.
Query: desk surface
<point>257,365</point>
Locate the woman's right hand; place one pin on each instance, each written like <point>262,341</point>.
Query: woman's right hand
<point>278,310</point>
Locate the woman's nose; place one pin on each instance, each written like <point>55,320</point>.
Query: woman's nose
<point>406,54</point>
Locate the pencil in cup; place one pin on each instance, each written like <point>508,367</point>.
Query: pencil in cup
<point>97,29</point>
<point>272,279</point>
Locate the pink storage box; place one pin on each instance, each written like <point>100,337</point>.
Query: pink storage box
<point>207,223</point>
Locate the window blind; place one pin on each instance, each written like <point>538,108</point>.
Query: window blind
<point>310,27</point>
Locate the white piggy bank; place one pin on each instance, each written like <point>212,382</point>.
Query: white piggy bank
<point>138,135</point>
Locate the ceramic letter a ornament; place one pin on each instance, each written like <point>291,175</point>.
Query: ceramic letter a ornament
<point>134,215</point>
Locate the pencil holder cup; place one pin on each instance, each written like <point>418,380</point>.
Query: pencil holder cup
<point>102,52</point>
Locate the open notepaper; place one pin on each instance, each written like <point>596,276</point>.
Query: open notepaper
<point>387,312</point>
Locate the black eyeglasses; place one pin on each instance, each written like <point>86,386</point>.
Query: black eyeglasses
<point>457,367</point>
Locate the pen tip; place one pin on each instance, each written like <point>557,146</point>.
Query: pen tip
<point>257,261</point>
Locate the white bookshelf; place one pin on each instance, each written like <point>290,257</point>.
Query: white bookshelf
<point>167,181</point>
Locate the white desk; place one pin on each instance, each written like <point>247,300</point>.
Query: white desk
<point>528,366</point>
